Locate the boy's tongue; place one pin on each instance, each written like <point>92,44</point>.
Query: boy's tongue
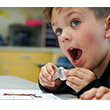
<point>77,54</point>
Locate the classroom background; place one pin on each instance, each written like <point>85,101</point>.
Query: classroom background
<point>26,43</point>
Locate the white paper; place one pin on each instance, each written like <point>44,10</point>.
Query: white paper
<point>12,94</point>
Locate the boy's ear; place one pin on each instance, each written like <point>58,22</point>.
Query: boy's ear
<point>107,27</point>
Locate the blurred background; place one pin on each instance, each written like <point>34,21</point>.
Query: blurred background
<point>27,43</point>
<point>24,27</point>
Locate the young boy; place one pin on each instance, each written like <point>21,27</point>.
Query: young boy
<point>84,37</point>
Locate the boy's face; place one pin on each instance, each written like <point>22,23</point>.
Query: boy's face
<point>81,36</point>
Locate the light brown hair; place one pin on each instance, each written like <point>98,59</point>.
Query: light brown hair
<point>99,12</point>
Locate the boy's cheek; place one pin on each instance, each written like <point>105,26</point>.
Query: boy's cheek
<point>62,48</point>
<point>60,42</point>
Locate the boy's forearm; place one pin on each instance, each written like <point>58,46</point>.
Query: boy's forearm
<point>95,83</point>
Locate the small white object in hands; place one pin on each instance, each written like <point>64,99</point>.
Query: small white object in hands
<point>59,74</point>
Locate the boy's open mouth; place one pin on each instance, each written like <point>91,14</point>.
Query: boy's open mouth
<point>75,55</point>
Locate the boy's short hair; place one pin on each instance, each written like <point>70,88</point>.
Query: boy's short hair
<point>100,12</point>
<point>47,11</point>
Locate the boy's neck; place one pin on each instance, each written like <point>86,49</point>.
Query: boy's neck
<point>101,68</point>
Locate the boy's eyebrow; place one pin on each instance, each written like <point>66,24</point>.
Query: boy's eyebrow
<point>53,24</point>
<point>67,15</point>
<point>70,13</point>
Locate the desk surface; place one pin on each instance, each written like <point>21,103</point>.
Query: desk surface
<point>13,82</point>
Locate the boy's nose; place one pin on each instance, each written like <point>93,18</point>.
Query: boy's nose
<point>66,37</point>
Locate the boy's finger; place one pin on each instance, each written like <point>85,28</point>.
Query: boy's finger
<point>73,86</point>
<point>89,94</point>
<point>51,69</point>
<point>44,78</point>
<point>106,96</point>
<point>78,74</point>
<point>75,80</point>
<point>101,91</point>
<point>46,83</point>
<point>45,74</point>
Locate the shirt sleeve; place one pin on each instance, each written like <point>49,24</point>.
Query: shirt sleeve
<point>63,89</point>
<point>66,89</point>
<point>95,83</point>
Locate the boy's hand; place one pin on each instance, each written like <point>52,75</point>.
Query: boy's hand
<point>45,77</point>
<point>78,78</point>
<point>102,93</point>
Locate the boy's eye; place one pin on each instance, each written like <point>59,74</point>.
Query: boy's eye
<point>75,23</point>
<point>58,31</point>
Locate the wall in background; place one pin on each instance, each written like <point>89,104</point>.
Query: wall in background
<point>18,15</point>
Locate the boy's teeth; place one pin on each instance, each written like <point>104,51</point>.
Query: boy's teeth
<point>76,60</point>
<point>71,48</point>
